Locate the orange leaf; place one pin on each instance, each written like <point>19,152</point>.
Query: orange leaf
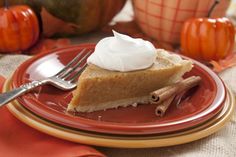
<point>223,64</point>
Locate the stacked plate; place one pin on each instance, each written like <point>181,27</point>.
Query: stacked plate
<point>203,113</point>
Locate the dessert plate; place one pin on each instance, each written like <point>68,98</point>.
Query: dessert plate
<point>123,141</point>
<point>50,103</point>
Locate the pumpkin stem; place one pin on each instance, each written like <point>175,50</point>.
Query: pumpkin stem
<point>213,7</point>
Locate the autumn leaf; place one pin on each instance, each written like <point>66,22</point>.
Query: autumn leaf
<point>223,64</point>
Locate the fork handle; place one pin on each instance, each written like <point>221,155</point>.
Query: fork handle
<point>9,96</point>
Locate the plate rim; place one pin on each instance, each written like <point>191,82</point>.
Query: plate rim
<point>131,128</point>
<point>112,141</point>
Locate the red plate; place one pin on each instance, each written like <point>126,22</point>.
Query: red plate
<point>50,103</point>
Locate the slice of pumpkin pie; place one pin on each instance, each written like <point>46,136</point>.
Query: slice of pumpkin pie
<point>116,80</point>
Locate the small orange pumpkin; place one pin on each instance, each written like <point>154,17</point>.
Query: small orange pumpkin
<point>207,39</point>
<point>19,29</point>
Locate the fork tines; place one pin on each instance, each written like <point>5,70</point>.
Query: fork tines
<point>79,61</point>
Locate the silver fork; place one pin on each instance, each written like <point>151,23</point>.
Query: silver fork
<point>65,79</point>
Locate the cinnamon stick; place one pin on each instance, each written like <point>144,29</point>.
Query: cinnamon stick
<point>164,97</point>
<point>161,109</point>
<point>167,92</point>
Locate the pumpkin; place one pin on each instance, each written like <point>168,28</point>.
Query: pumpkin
<point>73,17</point>
<point>19,28</point>
<point>207,38</point>
<point>163,19</point>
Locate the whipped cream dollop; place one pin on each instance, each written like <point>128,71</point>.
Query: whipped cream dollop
<point>123,53</point>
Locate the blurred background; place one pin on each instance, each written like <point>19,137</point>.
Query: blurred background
<point>46,25</point>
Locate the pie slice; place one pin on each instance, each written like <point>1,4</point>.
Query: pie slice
<point>100,89</point>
